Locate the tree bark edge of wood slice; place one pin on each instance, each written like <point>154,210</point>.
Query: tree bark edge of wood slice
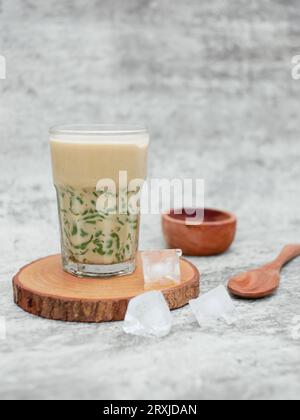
<point>43,289</point>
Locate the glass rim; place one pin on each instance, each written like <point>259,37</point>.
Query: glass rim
<point>98,129</point>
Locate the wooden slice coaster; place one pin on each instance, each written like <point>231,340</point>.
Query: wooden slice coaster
<point>42,288</point>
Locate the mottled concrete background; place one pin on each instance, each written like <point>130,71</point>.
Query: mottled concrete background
<point>212,80</point>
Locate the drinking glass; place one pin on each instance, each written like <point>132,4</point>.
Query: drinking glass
<point>98,173</point>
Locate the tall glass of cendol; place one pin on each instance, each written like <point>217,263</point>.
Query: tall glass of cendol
<point>98,174</point>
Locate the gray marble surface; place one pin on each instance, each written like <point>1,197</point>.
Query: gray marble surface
<point>212,80</point>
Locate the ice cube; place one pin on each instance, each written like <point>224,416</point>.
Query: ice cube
<point>216,304</point>
<point>148,315</point>
<point>161,266</point>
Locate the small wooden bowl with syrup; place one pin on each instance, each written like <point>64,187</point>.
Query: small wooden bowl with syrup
<point>197,235</point>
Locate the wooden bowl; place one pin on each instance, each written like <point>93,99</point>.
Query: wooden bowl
<point>211,237</point>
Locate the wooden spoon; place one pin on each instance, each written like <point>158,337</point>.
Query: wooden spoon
<point>263,281</point>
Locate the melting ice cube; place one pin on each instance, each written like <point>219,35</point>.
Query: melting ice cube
<point>161,266</point>
<point>214,305</point>
<point>148,315</point>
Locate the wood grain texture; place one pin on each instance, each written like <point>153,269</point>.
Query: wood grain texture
<point>42,288</point>
<point>212,237</point>
<point>264,281</point>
